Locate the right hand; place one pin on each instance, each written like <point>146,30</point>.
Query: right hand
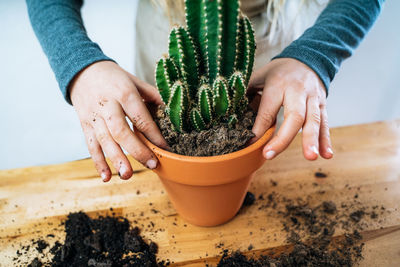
<point>103,95</point>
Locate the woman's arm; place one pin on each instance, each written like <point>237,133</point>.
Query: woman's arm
<point>299,77</point>
<point>59,27</point>
<point>102,93</point>
<point>337,32</point>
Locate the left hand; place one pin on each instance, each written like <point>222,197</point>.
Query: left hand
<point>289,83</point>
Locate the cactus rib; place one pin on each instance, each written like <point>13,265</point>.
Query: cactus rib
<point>166,75</point>
<point>183,52</point>
<point>238,89</point>
<point>221,100</point>
<point>195,14</point>
<point>178,106</point>
<point>250,47</point>
<point>196,119</point>
<point>205,103</point>
<point>245,50</point>
<point>230,17</point>
<point>213,43</point>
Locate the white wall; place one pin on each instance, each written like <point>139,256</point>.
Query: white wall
<point>367,87</point>
<point>38,127</point>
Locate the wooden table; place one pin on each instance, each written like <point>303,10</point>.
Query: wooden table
<point>33,201</point>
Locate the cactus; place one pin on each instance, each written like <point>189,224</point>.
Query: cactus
<point>203,79</point>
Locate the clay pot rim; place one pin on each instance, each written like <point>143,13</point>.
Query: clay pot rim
<point>194,159</point>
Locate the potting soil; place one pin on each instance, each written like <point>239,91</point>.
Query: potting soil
<point>218,140</point>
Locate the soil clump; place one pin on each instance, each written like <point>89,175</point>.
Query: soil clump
<point>105,241</point>
<point>320,175</point>
<point>249,199</point>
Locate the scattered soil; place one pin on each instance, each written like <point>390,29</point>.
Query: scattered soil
<point>329,207</point>
<point>320,175</point>
<point>101,242</point>
<point>249,199</point>
<point>40,245</point>
<point>35,263</point>
<point>357,215</point>
<point>310,233</point>
<point>308,223</point>
<point>218,140</point>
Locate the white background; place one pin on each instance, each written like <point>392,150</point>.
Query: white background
<point>38,127</point>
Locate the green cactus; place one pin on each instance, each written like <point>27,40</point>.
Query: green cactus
<point>221,101</point>
<point>205,103</point>
<point>203,79</point>
<point>167,74</point>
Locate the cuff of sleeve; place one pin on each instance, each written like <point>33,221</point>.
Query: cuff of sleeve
<point>75,63</point>
<point>313,59</point>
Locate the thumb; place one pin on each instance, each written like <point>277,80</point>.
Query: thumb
<point>148,92</point>
<point>271,101</point>
<point>257,81</point>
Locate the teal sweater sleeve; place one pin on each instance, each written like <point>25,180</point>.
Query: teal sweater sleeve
<point>59,27</point>
<point>336,33</point>
<point>334,36</point>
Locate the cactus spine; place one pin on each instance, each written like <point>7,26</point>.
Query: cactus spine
<point>203,79</point>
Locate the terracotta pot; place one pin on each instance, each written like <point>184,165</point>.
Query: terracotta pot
<point>208,191</point>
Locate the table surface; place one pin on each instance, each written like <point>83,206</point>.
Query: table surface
<point>33,201</point>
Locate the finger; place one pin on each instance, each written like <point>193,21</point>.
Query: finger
<point>122,133</point>
<point>137,112</point>
<point>271,101</point>
<point>148,92</point>
<point>311,129</point>
<point>112,149</point>
<point>96,153</point>
<point>257,80</point>
<point>294,115</point>
<point>325,145</point>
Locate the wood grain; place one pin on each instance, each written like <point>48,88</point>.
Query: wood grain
<point>35,200</point>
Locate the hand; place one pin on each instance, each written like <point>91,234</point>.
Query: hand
<point>103,94</point>
<point>289,83</point>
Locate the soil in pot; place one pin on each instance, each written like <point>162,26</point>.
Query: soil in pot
<point>218,140</point>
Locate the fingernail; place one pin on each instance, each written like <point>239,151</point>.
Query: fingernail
<point>270,154</point>
<point>103,176</point>
<point>314,149</point>
<point>122,170</point>
<point>329,150</point>
<point>151,164</point>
